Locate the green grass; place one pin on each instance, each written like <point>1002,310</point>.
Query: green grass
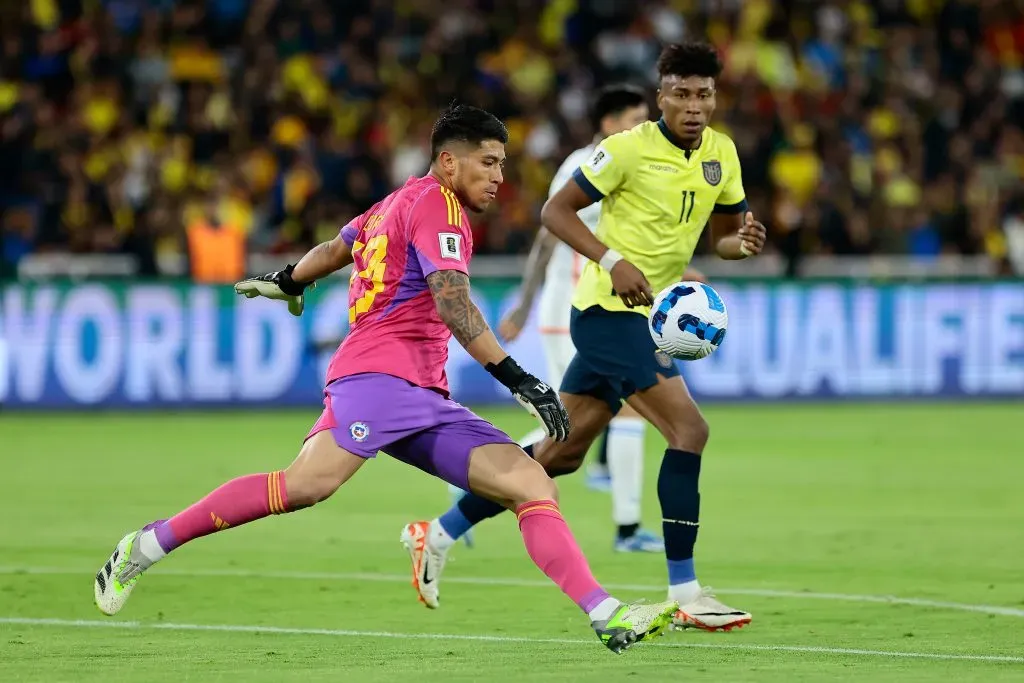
<point>911,501</point>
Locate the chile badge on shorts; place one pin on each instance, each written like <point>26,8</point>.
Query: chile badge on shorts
<point>359,431</point>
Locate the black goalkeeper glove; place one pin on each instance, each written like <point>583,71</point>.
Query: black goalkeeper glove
<point>278,285</point>
<point>538,398</point>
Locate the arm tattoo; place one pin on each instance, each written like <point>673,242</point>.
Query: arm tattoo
<point>450,290</point>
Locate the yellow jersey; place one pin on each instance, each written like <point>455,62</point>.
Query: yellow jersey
<point>656,197</point>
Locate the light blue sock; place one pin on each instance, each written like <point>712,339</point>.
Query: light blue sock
<point>454,522</point>
<point>681,571</point>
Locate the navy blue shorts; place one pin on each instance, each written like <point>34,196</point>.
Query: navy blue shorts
<point>615,356</point>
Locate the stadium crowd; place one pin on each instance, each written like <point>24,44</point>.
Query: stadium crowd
<point>882,126</point>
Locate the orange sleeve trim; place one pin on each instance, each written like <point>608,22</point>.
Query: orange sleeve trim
<point>274,493</point>
<point>454,208</point>
<point>534,508</point>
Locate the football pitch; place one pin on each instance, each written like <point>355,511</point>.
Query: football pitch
<point>881,542</point>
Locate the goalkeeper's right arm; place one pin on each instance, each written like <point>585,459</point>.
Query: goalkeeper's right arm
<point>290,284</point>
<point>322,260</point>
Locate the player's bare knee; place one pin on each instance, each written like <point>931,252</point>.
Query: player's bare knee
<point>537,485</point>
<point>688,433</point>
<point>544,488</point>
<point>567,463</point>
<point>561,458</point>
<point>304,491</point>
<point>319,470</point>
<point>701,433</point>
<point>308,486</point>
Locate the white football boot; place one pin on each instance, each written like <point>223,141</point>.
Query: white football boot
<point>427,562</point>
<point>709,614</point>
<point>116,579</point>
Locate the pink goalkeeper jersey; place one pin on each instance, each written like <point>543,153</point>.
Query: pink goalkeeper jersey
<point>394,327</point>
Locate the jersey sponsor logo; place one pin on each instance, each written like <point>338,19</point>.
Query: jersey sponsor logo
<point>451,245</point>
<point>712,172</point>
<point>598,160</point>
<point>663,168</point>
<point>359,431</point>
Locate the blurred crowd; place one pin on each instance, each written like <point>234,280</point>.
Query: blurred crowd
<point>881,126</point>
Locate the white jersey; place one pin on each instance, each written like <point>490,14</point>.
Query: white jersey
<point>560,279</point>
<point>565,265</point>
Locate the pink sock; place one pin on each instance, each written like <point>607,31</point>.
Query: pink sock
<point>237,502</point>
<point>554,550</point>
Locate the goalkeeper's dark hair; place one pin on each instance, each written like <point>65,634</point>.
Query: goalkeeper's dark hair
<point>615,99</point>
<point>689,59</point>
<point>463,123</point>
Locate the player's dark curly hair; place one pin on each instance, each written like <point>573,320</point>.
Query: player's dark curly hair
<point>689,59</point>
<point>463,123</point>
<point>615,99</point>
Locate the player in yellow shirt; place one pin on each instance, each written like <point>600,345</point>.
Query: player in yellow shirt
<point>659,184</point>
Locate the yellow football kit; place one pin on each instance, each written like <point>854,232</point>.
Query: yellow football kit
<point>656,198</point>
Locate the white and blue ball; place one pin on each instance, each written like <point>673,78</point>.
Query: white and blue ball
<point>688,320</point>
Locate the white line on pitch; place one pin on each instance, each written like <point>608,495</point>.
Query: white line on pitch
<point>535,583</point>
<point>277,630</point>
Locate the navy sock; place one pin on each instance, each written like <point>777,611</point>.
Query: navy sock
<point>602,455</point>
<point>474,509</point>
<point>681,571</point>
<point>471,510</point>
<point>455,522</point>
<point>628,530</point>
<point>680,503</point>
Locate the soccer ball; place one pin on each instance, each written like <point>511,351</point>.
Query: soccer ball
<point>688,320</point>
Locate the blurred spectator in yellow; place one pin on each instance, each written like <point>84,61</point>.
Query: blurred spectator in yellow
<point>862,125</point>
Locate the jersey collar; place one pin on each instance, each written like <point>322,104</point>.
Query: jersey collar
<point>671,137</point>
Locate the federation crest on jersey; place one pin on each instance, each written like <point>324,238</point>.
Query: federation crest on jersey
<point>712,172</point>
<point>359,431</point>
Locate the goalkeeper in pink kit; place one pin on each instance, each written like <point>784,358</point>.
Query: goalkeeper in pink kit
<point>387,390</point>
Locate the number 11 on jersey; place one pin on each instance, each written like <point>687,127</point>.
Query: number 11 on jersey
<point>687,206</point>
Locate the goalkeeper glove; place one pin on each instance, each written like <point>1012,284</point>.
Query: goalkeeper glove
<point>538,398</point>
<point>278,285</point>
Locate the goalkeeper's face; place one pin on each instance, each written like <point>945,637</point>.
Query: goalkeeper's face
<point>478,173</point>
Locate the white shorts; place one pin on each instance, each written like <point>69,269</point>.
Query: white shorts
<point>553,319</point>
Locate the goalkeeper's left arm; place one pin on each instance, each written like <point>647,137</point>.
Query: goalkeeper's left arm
<point>290,284</point>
